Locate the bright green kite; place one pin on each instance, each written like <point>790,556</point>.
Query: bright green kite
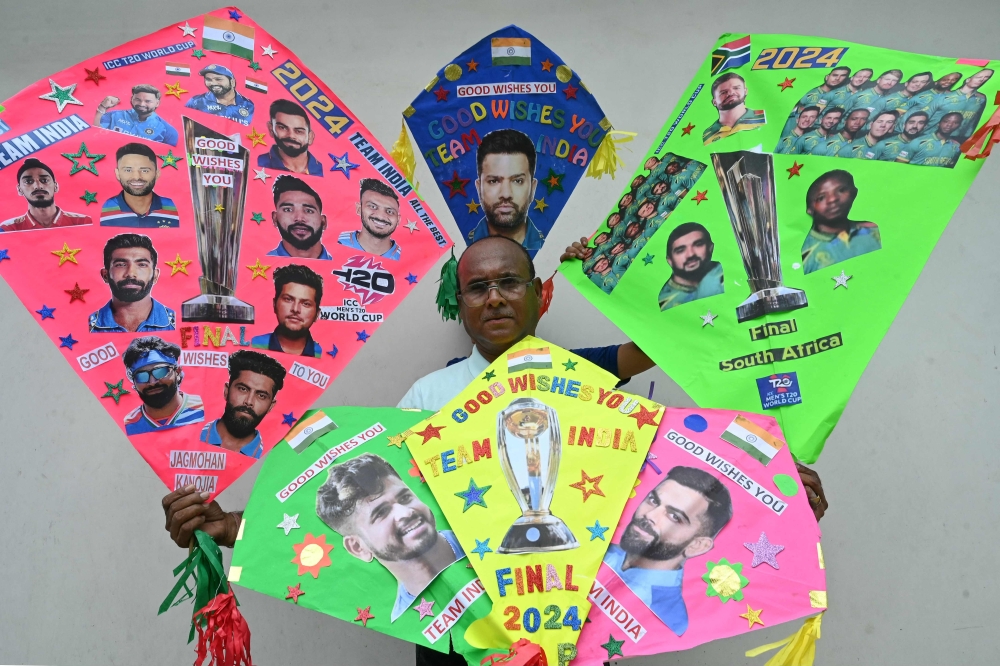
<point>778,221</point>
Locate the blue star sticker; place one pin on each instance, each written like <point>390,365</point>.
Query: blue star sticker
<point>648,259</point>
<point>474,495</point>
<point>46,312</point>
<point>68,341</point>
<point>333,352</point>
<point>288,419</point>
<point>4,255</point>
<point>342,164</point>
<point>597,532</point>
<point>363,336</point>
<point>235,15</point>
<point>482,547</point>
<point>411,278</point>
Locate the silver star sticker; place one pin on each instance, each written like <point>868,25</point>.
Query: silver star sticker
<point>268,51</point>
<point>708,318</point>
<point>61,96</point>
<point>260,174</point>
<point>841,280</point>
<point>289,523</point>
<point>411,225</point>
<point>188,30</point>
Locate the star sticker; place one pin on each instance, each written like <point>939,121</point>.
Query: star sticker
<point>219,208</point>
<point>61,96</point>
<point>254,65</point>
<point>725,580</point>
<point>431,431</point>
<point>441,94</point>
<point>169,160</point>
<point>753,616</point>
<point>76,294</point>
<point>708,319</point>
<point>482,547</point>
<point>456,185</point>
<point>46,312</point>
<point>295,592</point>
<point>546,65</point>
<point>786,84</point>
<point>94,75</point>
<point>411,278</point>
<point>4,254</point>
<point>312,554</point>
<point>411,225</point>
<point>554,181</point>
<point>235,15</point>
<point>268,51</point>
<point>186,30</point>
<point>256,138</point>
<point>364,615</point>
<point>199,54</point>
<point>260,174</point>
<point>175,89</point>
<point>288,419</point>
<point>841,279</point>
<point>89,197</point>
<point>794,170</point>
<point>115,391</point>
<point>472,66</point>
<point>581,485</point>
<point>342,164</point>
<point>648,259</point>
<point>66,254</point>
<point>259,270</point>
<point>363,336</point>
<point>645,416</point>
<point>424,608</point>
<point>257,217</point>
<point>473,495</point>
<point>700,196</point>
<point>613,647</point>
<point>597,531</point>
<point>398,439</point>
<point>67,341</point>
<point>570,364</point>
<point>289,523</point>
<point>489,375</point>
<point>763,551</point>
<point>178,265</point>
<point>687,130</point>
<point>570,91</point>
<point>540,205</point>
<point>333,352</point>
<point>473,207</point>
<point>79,156</point>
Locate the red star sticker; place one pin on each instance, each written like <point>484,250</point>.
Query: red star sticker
<point>94,75</point>
<point>687,130</point>
<point>430,432</point>
<point>786,84</point>
<point>456,185</point>
<point>76,294</point>
<point>645,417</point>
<point>700,196</point>
<point>794,170</point>
<point>546,65</point>
<point>442,94</point>
<point>295,592</point>
<point>570,91</point>
<point>581,485</point>
<point>472,65</point>
<point>364,615</point>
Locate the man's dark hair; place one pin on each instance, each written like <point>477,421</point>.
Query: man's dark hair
<point>296,274</point>
<point>720,504</point>
<point>927,74</point>
<point>684,230</point>
<point>811,108</point>
<point>917,113</point>
<point>258,363</point>
<point>505,142</point>
<point>884,113</point>
<point>865,69</point>
<point>842,67</point>
<point>135,148</point>
<point>838,109</point>
<point>32,163</point>
<point>347,484</point>
<point>844,177</point>
<point>951,113</point>
<point>122,241</point>
<point>289,108</point>
<point>287,183</point>
<point>726,77</point>
<point>377,186</point>
<point>897,72</point>
<point>146,88</point>
<point>140,346</point>
<point>527,257</point>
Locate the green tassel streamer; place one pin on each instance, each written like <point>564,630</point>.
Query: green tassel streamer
<point>447,296</point>
<point>204,571</point>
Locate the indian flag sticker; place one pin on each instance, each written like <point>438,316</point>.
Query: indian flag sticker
<point>529,359</point>
<point>308,430</point>
<point>178,69</point>
<point>511,51</point>
<point>746,435</point>
<point>256,84</point>
<point>226,36</point>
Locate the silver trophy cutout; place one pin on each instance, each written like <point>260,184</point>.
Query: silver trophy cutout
<point>747,182</point>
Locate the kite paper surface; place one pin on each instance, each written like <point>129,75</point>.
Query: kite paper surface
<point>788,262</point>
<point>508,82</point>
<point>530,464</point>
<point>737,541</point>
<point>348,527</point>
<point>126,170</point>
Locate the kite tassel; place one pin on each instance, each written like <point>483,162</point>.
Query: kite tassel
<point>799,649</point>
<point>548,288</point>
<point>606,160</point>
<point>447,296</point>
<point>978,146</point>
<point>402,154</point>
<point>223,633</point>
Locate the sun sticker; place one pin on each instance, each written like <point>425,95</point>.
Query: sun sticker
<point>312,554</point>
<point>725,580</point>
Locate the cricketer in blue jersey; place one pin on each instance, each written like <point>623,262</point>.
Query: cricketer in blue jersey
<point>378,209</point>
<point>298,293</point>
<point>898,146</point>
<point>292,133</point>
<point>820,97</point>
<point>130,272</point>
<point>803,123</point>
<point>141,120</point>
<point>151,364</point>
<point>137,205</point>
<point>298,217</point>
<point>937,149</point>
<point>729,94</point>
<point>695,275</point>
<point>834,237</point>
<point>222,98</point>
<point>863,147</point>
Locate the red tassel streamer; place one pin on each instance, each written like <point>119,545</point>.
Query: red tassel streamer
<point>548,287</point>
<point>222,633</point>
<point>522,653</point>
<point>979,145</point>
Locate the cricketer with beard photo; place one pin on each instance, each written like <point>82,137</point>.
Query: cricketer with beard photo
<point>137,205</point>
<point>378,208</point>
<point>695,275</point>
<point>36,182</point>
<point>380,518</point>
<point>292,133</point>
<point>151,364</point>
<point>298,217</point>
<point>298,292</point>
<point>130,272</point>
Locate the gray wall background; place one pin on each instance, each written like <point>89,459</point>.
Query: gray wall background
<point>911,470</point>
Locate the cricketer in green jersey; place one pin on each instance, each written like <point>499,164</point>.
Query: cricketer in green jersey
<point>842,96</point>
<point>695,275</point>
<point>967,100</point>
<point>923,101</point>
<point>834,237</point>
<point>852,127</point>
<point>821,96</point>
<point>804,123</point>
<point>729,93</point>
<point>864,146</point>
<point>937,149</point>
<point>872,98</point>
<point>888,150</point>
<point>816,139</point>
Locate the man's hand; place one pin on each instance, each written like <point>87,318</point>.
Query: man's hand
<point>576,250</point>
<point>186,511</point>
<point>109,102</point>
<point>814,490</point>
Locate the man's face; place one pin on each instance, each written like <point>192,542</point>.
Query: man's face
<point>948,81</point>
<point>506,187</point>
<point>886,82</point>
<point>379,213</point>
<point>144,103</point>
<point>667,522</point>
<point>618,249</point>
<point>218,84</point>
<point>296,308</point>
<point>806,119</point>
<point>832,201</point>
<point>394,525</point>
<point>856,120</point>
<point>131,274</point>
<point>915,125</point>
<point>638,181</point>
<point>249,398</point>
<point>830,120</point>
<point>949,124</point>
<point>601,238</point>
<point>157,393</point>
<point>861,78</point>
<point>613,220</point>
<point>625,201</point>
<point>299,220</point>
<point>291,133</point>
<point>588,252</point>
<point>979,78</point>
<point>602,265</point>
<point>633,230</point>
<point>674,168</point>
<point>137,174</point>
<point>651,163</point>
<point>689,253</point>
<point>917,83</point>
<point>38,187</point>
<point>836,78</point>
<point>729,94</point>
<point>882,125</point>
<point>660,189</point>
<point>646,210</point>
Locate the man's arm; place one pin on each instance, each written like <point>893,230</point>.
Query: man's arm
<point>632,361</point>
<point>186,511</point>
<point>814,490</point>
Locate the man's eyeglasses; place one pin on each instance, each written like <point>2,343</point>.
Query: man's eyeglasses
<point>477,293</point>
<point>143,376</point>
